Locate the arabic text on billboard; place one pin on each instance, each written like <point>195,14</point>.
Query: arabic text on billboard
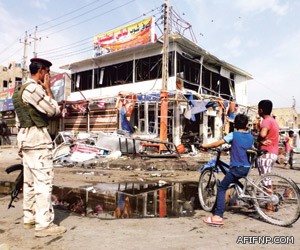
<point>125,37</point>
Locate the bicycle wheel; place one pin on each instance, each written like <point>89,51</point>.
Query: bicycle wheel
<point>207,190</point>
<point>277,199</point>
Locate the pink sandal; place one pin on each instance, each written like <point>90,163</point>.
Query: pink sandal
<point>213,221</point>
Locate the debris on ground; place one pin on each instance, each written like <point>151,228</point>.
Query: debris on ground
<point>90,149</point>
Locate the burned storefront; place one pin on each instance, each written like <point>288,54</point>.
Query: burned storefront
<point>119,89</point>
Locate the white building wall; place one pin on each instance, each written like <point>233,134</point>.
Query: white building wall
<point>241,90</point>
<point>138,87</point>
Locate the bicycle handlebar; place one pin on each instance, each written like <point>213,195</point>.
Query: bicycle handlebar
<point>13,168</point>
<point>218,149</point>
<point>256,152</point>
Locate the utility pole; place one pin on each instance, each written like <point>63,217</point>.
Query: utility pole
<point>35,39</point>
<point>165,58</point>
<point>165,74</point>
<point>294,103</point>
<point>24,68</point>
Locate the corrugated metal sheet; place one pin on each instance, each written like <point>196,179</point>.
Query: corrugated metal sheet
<point>100,120</point>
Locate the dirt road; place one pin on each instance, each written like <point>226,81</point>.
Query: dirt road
<point>149,233</point>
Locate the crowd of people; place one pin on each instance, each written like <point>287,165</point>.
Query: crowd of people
<point>266,138</point>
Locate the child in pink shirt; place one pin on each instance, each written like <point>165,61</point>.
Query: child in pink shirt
<point>289,149</point>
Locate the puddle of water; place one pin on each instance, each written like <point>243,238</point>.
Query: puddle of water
<point>134,200</point>
<point>125,200</point>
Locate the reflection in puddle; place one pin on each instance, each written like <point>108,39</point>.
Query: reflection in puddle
<point>130,200</point>
<point>125,200</point>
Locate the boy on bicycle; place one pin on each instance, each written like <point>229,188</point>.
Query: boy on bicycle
<point>241,140</point>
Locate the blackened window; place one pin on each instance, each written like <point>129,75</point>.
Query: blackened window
<point>5,84</point>
<point>206,81</point>
<point>112,75</point>
<point>188,69</point>
<point>82,80</point>
<point>18,79</point>
<point>148,68</point>
<point>215,84</point>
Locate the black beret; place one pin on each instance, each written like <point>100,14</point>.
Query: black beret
<point>41,61</point>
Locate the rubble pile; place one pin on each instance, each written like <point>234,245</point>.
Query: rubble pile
<point>81,149</point>
<point>92,149</point>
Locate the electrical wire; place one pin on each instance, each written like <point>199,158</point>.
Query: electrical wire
<point>272,90</point>
<point>77,16</point>
<point>71,12</point>
<point>14,53</point>
<point>73,53</point>
<point>82,14</point>
<point>5,49</point>
<point>81,42</point>
<point>60,17</point>
<point>87,40</point>
<point>64,48</point>
<point>89,19</point>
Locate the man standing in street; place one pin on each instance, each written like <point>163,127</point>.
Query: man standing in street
<point>34,105</point>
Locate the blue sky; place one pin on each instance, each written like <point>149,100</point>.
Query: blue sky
<point>261,37</point>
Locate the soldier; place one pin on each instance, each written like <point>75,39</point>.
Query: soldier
<point>34,105</point>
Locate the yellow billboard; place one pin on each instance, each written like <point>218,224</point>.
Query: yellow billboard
<point>125,37</point>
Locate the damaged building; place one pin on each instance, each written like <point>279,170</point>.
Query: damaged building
<point>119,88</point>
<point>112,104</point>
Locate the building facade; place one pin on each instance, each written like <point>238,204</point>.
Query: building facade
<point>204,92</point>
<point>287,118</point>
<point>120,88</point>
<point>10,76</point>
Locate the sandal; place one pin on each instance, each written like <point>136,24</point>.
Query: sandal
<point>288,193</point>
<point>270,209</point>
<point>213,221</point>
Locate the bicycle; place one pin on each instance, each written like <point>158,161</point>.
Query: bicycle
<point>18,185</point>
<point>283,195</point>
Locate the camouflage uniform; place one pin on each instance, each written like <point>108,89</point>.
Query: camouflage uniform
<point>38,179</point>
<point>36,146</point>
